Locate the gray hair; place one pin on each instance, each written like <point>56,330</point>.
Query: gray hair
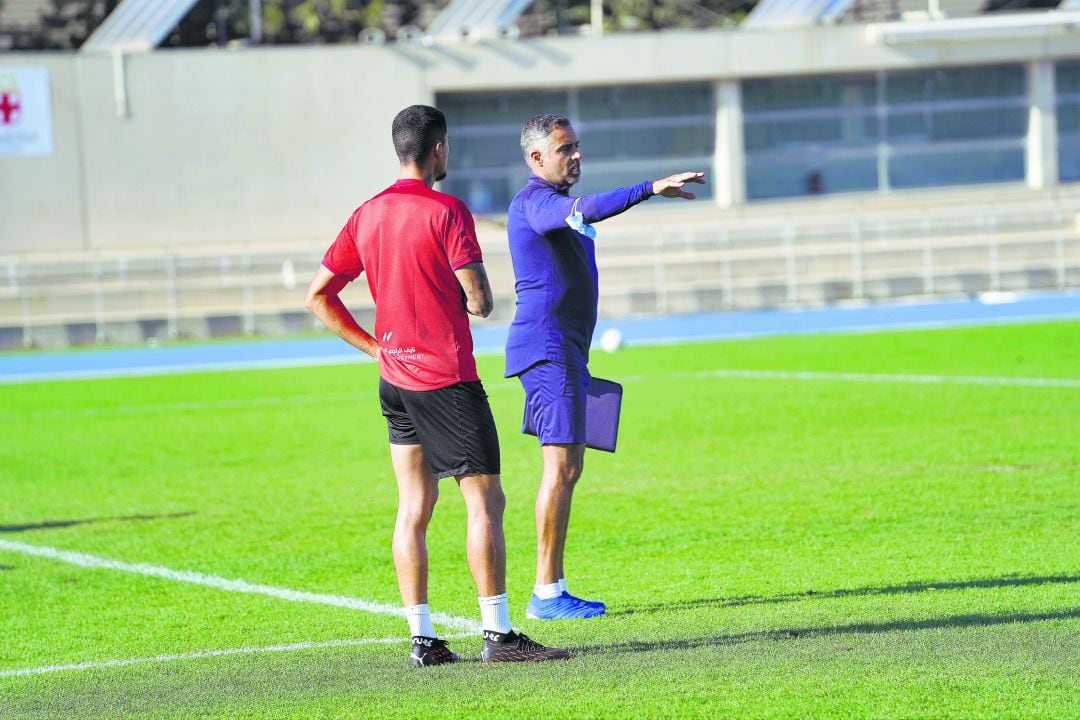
<point>537,129</point>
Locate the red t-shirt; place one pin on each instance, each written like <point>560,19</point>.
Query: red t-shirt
<point>409,239</point>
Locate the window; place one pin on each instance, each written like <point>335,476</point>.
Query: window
<point>628,134</point>
<point>889,130</point>
<point>1067,77</point>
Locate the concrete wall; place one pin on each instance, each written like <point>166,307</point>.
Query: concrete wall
<point>259,146</point>
<point>41,205</point>
<point>277,145</point>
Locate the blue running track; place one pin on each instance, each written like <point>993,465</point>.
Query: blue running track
<point>16,367</point>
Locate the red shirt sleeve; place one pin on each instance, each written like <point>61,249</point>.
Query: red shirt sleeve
<point>342,258</point>
<point>462,247</point>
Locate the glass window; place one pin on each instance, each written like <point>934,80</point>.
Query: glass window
<point>995,81</point>
<point>1069,158</point>
<point>646,142</point>
<point>966,166</point>
<point>791,175</point>
<point>922,128</point>
<point>1067,75</point>
<point>464,109</point>
<point>627,133</point>
<point>491,149</point>
<point>644,101</point>
<point>777,94</point>
<point>1067,78</point>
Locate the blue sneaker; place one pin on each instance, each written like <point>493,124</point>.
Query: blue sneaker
<point>563,607</point>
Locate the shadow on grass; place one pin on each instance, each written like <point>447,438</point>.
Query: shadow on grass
<point>919,587</point>
<point>53,524</point>
<point>956,621</point>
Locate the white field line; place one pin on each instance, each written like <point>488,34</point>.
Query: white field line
<point>181,369</point>
<point>885,378</point>
<point>22,672</point>
<point>501,387</point>
<point>220,583</point>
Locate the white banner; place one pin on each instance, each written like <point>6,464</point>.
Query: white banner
<point>26,126</point>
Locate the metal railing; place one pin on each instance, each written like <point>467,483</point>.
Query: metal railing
<point>702,266</point>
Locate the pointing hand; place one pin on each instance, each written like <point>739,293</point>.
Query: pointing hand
<point>672,185</point>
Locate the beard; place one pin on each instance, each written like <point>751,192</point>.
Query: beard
<point>441,176</point>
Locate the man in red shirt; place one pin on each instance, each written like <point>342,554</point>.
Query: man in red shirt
<point>426,275</point>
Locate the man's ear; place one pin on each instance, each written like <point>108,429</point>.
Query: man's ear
<point>537,157</point>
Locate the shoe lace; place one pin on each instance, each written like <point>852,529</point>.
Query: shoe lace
<point>528,644</point>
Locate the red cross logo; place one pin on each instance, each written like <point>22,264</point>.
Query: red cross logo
<point>9,108</point>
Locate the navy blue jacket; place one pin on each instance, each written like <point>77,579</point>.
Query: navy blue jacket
<point>555,270</point>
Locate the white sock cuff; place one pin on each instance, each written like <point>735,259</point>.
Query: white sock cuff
<point>546,592</point>
<point>419,618</point>
<point>495,613</point>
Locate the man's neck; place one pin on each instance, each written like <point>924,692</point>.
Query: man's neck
<point>416,172</point>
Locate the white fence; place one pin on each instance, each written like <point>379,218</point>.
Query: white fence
<point>705,265</point>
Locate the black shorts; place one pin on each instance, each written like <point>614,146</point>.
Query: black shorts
<point>453,425</point>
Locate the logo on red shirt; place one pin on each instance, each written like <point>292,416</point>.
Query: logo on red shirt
<point>10,101</point>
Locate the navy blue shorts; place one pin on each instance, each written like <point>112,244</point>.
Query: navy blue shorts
<point>453,425</point>
<point>555,397</point>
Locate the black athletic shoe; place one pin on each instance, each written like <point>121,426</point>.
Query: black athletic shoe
<point>430,651</point>
<point>512,647</point>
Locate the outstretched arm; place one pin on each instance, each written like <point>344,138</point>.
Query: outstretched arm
<point>474,281</point>
<point>324,302</point>
<point>550,209</point>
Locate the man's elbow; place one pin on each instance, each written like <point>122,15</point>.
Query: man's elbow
<point>478,310</point>
<point>312,303</point>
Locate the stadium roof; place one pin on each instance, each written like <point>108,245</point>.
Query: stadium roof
<point>784,13</point>
<point>137,25</point>
<point>987,27</point>
<point>476,18</point>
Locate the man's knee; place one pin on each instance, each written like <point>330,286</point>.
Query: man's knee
<point>565,464</point>
<point>416,512</point>
<point>484,496</point>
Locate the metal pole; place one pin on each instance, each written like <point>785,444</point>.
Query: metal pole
<point>255,20</point>
<point>928,259</point>
<point>789,263</point>
<point>596,17</point>
<point>172,304</point>
<point>856,260</point>
<point>727,275</point>
<point>995,255</point>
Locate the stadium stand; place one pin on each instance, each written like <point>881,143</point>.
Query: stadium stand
<point>788,254</point>
<point>844,168</point>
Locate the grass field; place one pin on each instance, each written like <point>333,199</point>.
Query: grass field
<point>892,533</point>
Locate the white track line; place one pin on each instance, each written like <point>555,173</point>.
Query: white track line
<point>23,672</point>
<point>222,404</point>
<point>220,583</point>
<point>886,378</point>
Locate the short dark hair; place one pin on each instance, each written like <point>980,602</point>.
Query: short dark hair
<point>416,130</point>
<point>538,128</point>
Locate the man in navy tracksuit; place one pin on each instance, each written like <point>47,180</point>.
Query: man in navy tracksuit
<point>554,258</point>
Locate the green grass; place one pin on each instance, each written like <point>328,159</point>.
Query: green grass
<point>767,547</point>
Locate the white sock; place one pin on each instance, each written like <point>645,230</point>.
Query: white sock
<point>419,617</point>
<point>546,592</point>
<point>495,613</point>
<point>562,586</point>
